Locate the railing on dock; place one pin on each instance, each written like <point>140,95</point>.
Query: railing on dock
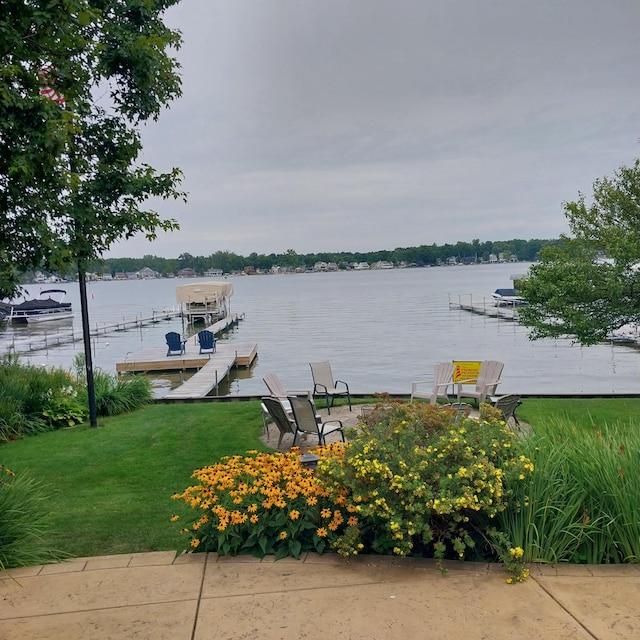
<point>485,306</point>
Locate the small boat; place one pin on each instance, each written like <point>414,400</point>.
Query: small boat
<point>42,309</point>
<point>507,298</point>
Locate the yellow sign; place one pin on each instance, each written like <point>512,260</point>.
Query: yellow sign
<point>466,370</point>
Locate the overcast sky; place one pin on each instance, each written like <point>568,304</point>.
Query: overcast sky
<point>339,125</point>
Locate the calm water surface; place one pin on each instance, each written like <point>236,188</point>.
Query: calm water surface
<point>379,329</point>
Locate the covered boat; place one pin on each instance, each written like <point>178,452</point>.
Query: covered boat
<point>47,307</point>
<point>507,297</point>
<point>205,302</point>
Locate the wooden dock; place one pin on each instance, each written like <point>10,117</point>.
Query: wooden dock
<point>484,306</point>
<point>212,368</point>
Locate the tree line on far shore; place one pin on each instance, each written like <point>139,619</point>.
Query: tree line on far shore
<point>425,255</point>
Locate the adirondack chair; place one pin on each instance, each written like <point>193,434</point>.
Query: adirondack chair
<point>324,384</point>
<point>436,388</point>
<point>486,383</point>
<point>175,343</point>
<point>207,341</point>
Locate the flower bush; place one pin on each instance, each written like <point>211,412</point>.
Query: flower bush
<point>415,479</point>
<point>266,503</point>
<point>423,480</point>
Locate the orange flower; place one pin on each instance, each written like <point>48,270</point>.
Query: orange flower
<point>322,532</point>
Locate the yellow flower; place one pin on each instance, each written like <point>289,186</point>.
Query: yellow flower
<point>326,513</point>
<point>312,500</point>
<point>322,532</point>
<point>352,521</point>
<point>294,515</point>
<point>195,542</point>
<point>516,552</point>
<point>254,519</point>
<point>175,518</point>
<point>283,535</point>
<point>252,508</point>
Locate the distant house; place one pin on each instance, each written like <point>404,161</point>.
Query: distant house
<point>382,264</point>
<point>187,272</point>
<point>493,258</point>
<point>145,273</point>
<point>320,266</point>
<point>213,273</point>
<point>120,275</point>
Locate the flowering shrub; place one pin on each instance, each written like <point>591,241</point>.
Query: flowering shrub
<point>415,479</point>
<point>423,480</point>
<point>266,503</point>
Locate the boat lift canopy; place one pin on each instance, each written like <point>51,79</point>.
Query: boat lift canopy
<point>205,301</point>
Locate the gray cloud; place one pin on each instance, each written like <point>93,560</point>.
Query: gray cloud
<point>362,124</point>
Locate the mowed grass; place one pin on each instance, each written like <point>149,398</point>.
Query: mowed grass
<point>110,488</point>
<point>581,411</point>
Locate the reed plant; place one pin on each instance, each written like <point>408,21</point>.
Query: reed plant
<point>25,523</point>
<point>582,504</point>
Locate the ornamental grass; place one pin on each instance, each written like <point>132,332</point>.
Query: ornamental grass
<point>582,505</point>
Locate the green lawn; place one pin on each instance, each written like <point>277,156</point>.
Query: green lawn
<point>111,487</point>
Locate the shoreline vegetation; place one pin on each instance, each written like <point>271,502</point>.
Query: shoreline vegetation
<point>227,263</point>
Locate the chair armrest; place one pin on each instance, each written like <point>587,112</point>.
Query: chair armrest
<point>303,393</point>
<point>328,422</point>
<point>342,382</point>
<point>320,388</point>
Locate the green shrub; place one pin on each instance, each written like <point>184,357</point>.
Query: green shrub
<point>424,481</point>
<point>24,524</point>
<point>35,399</point>
<point>116,395</point>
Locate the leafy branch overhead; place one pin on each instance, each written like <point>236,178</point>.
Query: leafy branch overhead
<point>78,78</point>
<point>589,285</point>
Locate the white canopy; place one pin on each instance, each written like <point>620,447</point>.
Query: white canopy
<point>203,292</point>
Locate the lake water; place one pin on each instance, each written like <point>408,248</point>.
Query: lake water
<point>380,330</point>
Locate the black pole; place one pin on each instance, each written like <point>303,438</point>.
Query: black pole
<point>84,309</point>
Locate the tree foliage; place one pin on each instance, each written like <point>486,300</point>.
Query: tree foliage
<point>78,77</point>
<point>589,284</point>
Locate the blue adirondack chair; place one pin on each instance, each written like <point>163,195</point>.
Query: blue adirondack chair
<point>175,344</point>
<point>207,341</point>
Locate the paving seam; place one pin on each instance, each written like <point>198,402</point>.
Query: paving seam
<point>199,599</point>
<point>578,622</point>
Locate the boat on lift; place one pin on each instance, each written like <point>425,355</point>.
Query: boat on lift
<point>48,306</point>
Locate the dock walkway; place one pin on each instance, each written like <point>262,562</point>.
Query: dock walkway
<point>212,368</point>
<point>484,306</point>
